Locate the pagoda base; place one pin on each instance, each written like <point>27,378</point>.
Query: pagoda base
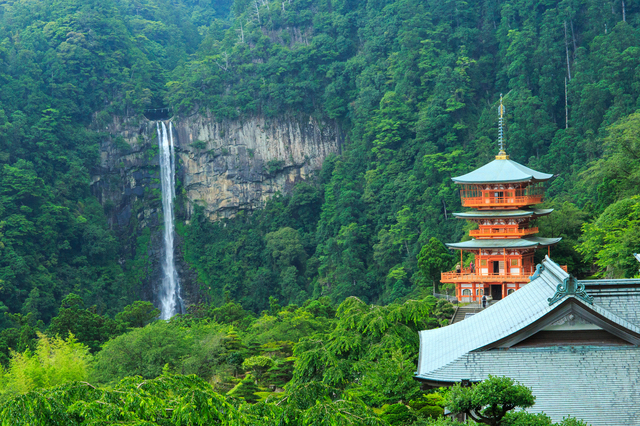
<point>473,292</point>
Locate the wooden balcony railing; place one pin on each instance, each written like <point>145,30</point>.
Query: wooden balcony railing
<point>466,276</point>
<point>502,232</point>
<point>486,202</point>
<point>475,277</point>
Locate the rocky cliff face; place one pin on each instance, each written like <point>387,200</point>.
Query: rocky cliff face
<point>223,166</point>
<point>233,165</point>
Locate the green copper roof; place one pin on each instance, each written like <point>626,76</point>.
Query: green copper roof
<point>502,171</point>
<point>489,214</point>
<point>506,243</point>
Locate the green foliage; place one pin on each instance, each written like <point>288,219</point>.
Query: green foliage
<point>199,144</point>
<point>55,361</point>
<point>442,421</point>
<point>566,221</point>
<point>170,400</point>
<point>372,350</point>
<point>138,314</point>
<point>611,240</point>
<point>428,405</point>
<point>142,352</point>
<point>433,259</point>
<point>489,401</point>
<point>246,389</point>
<point>319,404</point>
<point>397,414</point>
<point>88,327</point>
<point>527,419</point>
<point>257,365</point>
<point>414,89</point>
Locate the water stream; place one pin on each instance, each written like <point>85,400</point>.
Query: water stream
<point>170,300</point>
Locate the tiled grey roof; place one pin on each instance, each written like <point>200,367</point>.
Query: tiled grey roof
<point>625,306</point>
<point>505,243</point>
<point>502,171</point>
<point>479,214</point>
<point>440,346</point>
<point>562,378</point>
<point>597,384</point>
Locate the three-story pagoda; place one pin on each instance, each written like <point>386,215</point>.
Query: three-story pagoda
<point>501,194</point>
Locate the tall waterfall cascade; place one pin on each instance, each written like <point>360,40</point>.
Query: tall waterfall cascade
<point>170,300</point>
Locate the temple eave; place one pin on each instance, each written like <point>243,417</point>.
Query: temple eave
<point>511,243</point>
<point>501,214</point>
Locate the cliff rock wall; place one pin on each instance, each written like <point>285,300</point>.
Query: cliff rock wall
<point>233,165</point>
<point>223,166</point>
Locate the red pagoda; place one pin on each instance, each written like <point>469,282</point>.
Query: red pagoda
<point>501,194</point>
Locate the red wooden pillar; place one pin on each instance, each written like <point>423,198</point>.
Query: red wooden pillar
<point>504,259</point>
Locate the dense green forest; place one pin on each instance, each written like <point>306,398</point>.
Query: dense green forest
<point>321,293</point>
<point>412,84</point>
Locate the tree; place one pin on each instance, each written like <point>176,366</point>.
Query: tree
<point>257,365</point>
<point>165,400</point>
<point>610,241</point>
<point>490,400</point>
<point>246,389</point>
<point>286,249</point>
<point>143,352</point>
<point>617,174</point>
<point>87,326</point>
<point>138,314</point>
<point>54,362</point>
<point>433,259</point>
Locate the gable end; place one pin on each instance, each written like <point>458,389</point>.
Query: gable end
<point>614,331</point>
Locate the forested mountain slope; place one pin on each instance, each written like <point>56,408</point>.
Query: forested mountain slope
<point>413,86</point>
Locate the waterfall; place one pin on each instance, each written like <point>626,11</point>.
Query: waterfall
<point>170,300</point>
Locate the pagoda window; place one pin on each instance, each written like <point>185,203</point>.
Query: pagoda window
<point>466,292</point>
<point>479,292</point>
<point>509,291</point>
<point>514,262</point>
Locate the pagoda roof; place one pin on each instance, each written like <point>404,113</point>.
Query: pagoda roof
<point>490,214</point>
<point>505,243</point>
<point>503,171</point>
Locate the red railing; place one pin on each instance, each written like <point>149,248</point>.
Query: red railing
<point>480,202</point>
<point>467,276</point>
<point>474,277</point>
<point>502,232</point>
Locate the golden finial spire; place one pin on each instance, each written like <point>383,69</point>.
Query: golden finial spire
<point>502,155</point>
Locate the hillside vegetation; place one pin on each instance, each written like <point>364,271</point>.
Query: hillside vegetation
<point>311,306</point>
<point>415,84</point>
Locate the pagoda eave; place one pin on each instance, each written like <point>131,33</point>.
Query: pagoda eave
<point>513,243</point>
<point>502,214</point>
<point>502,171</point>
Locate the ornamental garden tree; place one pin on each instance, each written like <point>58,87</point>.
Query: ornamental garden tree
<point>489,401</point>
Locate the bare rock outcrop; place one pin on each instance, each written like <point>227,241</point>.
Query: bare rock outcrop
<point>232,165</point>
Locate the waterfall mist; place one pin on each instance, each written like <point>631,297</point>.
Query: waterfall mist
<point>170,300</point>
